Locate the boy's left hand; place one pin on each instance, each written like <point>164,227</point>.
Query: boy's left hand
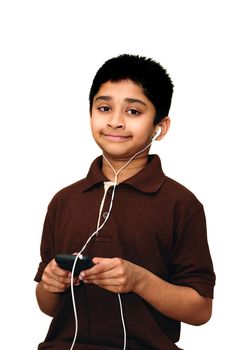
<point>116,275</point>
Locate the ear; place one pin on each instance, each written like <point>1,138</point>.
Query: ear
<point>164,125</point>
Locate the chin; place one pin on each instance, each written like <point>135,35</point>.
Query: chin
<point>119,151</point>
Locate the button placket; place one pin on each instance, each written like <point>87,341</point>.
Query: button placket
<point>109,194</point>
<point>107,203</point>
<point>105,213</point>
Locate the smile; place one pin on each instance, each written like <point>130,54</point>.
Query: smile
<point>116,138</point>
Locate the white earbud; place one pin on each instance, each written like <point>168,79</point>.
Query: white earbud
<point>157,133</point>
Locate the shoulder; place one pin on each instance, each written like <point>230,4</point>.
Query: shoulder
<point>177,189</point>
<point>67,193</point>
<point>180,196</point>
<point>71,189</point>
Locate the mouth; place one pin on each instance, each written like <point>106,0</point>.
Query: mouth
<point>116,137</point>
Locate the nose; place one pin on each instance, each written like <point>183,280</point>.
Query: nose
<point>116,121</point>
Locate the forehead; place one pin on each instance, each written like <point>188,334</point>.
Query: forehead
<point>122,89</point>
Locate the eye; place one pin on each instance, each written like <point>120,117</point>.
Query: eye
<point>133,111</point>
<point>103,109</point>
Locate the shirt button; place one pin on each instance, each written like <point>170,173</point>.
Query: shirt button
<point>105,214</point>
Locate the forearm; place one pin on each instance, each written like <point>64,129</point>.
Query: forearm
<point>47,301</point>
<point>177,302</point>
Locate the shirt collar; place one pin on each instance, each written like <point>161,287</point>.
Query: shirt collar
<point>148,180</point>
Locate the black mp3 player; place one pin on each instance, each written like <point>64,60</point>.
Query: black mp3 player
<point>65,261</point>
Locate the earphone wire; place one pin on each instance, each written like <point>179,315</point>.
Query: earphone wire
<point>75,262</point>
<point>99,227</point>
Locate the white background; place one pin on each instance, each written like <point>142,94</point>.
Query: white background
<point>50,51</point>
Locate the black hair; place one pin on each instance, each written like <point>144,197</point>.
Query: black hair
<point>147,73</point>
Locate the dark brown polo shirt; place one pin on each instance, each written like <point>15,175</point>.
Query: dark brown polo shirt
<point>155,223</point>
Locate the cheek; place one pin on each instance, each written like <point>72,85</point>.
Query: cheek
<point>96,126</point>
<point>143,130</point>
<point>94,123</point>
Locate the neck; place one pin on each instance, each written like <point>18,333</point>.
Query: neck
<point>130,169</point>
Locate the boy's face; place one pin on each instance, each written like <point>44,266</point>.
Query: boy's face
<point>122,119</point>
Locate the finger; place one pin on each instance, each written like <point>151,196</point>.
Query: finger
<point>53,285</point>
<point>101,265</point>
<point>111,274</point>
<point>57,274</point>
<point>116,274</point>
<point>105,261</point>
<point>60,276</point>
<point>52,281</point>
<point>106,268</point>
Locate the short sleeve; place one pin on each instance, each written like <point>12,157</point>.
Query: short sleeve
<point>192,263</point>
<point>47,243</point>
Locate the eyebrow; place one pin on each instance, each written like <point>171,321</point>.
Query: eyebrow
<point>128,99</point>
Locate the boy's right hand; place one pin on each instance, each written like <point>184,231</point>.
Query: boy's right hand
<point>55,279</point>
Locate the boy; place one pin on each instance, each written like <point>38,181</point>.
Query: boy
<point>149,244</point>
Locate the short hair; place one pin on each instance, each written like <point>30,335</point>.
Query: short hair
<point>147,73</point>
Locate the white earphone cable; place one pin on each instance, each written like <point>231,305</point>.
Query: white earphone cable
<point>99,227</point>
